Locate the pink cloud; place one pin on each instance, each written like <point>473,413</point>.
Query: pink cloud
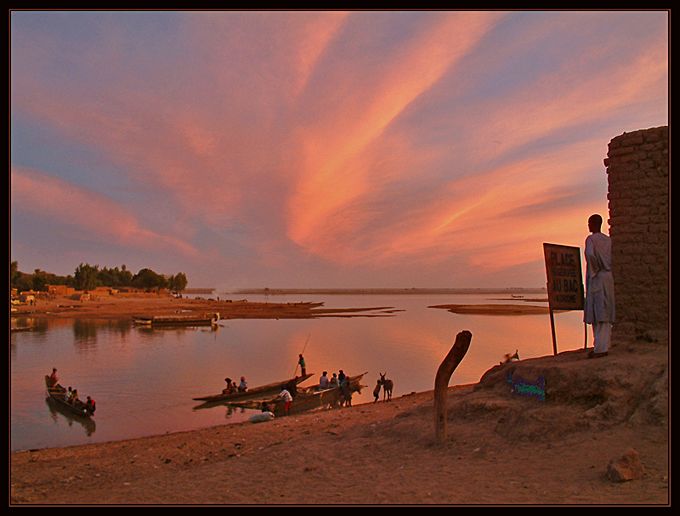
<point>95,215</point>
<point>332,176</point>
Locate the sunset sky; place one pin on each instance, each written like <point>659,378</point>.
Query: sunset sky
<point>322,148</point>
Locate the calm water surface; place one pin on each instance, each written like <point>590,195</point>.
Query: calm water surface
<point>144,380</point>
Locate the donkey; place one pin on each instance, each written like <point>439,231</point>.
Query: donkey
<point>387,385</point>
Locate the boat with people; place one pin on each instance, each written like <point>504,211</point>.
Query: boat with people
<point>305,399</point>
<point>262,391</point>
<point>177,320</point>
<point>58,394</point>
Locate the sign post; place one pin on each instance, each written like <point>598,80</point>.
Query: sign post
<point>565,281</point>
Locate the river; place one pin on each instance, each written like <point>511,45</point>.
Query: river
<point>144,380</point>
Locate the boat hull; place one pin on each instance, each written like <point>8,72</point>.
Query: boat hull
<point>57,395</point>
<point>256,392</point>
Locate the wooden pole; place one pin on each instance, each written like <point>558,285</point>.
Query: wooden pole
<point>552,328</point>
<point>441,381</point>
<point>585,335</point>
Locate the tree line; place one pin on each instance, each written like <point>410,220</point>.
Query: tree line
<point>89,277</point>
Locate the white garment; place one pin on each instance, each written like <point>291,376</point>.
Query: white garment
<point>602,333</point>
<point>599,306</point>
<point>323,382</point>
<point>285,395</point>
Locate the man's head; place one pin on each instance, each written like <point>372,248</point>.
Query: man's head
<point>594,223</point>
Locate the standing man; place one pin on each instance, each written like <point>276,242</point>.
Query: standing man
<point>287,399</point>
<point>301,363</point>
<point>599,308</point>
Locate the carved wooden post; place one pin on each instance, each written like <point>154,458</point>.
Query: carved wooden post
<point>441,381</point>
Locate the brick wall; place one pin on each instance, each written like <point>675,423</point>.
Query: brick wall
<point>637,171</point>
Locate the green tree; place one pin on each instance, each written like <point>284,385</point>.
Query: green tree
<point>85,277</point>
<point>178,282</point>
<point>14,273</point>
<point>40,280</point>
<point>148,279</point>
<point>124,277</point>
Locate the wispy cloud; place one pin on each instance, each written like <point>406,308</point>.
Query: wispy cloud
<point>93,215</point>
<point>344,141</point>
<point>333,174</point>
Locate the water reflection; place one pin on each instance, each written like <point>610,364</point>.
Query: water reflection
<point>57,409</point>
<point>145,380</point>
<point>85,331</point>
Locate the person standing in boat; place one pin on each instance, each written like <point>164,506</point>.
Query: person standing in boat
<point>599,308</point>
<point>301,363</point>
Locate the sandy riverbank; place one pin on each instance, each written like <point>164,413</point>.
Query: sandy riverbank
<point>116,307</point>
<point>501,448</point>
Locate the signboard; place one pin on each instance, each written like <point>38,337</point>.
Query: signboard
<point>565,281</point>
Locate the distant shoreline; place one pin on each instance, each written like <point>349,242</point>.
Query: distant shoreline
<point>373,291</point>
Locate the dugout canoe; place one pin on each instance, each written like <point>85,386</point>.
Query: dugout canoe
<point>57,394</point>
<point>176,320</point>
<point>262,391</point>
<point>305,399</point>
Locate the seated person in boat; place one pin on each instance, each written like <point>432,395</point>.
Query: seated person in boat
<point>243,386</point>
<point>323,381</point>
<point>69,394</point>
<point>90,405</point>
<point>74,397</point>
<point>230,388</point>
<point>334,381</point>
<point>53,377</point>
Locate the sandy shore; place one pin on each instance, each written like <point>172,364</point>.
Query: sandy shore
<point>501,448</point>
<point>116,307</point>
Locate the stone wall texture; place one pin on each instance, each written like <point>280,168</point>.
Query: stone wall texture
<point>639,198</point>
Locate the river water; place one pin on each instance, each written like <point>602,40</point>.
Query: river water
<point>144,380</point>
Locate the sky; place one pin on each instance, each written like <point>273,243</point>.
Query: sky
<point>321,148</point>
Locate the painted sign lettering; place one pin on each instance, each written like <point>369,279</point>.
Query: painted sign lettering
<point>565,282</point>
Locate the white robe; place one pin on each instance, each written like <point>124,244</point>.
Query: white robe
<point>600,306</point>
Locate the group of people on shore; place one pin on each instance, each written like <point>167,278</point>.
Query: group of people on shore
<point>337,380</point>
<point>70,395</point>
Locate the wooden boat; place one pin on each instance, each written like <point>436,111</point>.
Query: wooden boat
<point>57,394</point>
<point>306,399</point>
<point>177,320</point>
<point>21,328</point>
<point>260,392</point>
